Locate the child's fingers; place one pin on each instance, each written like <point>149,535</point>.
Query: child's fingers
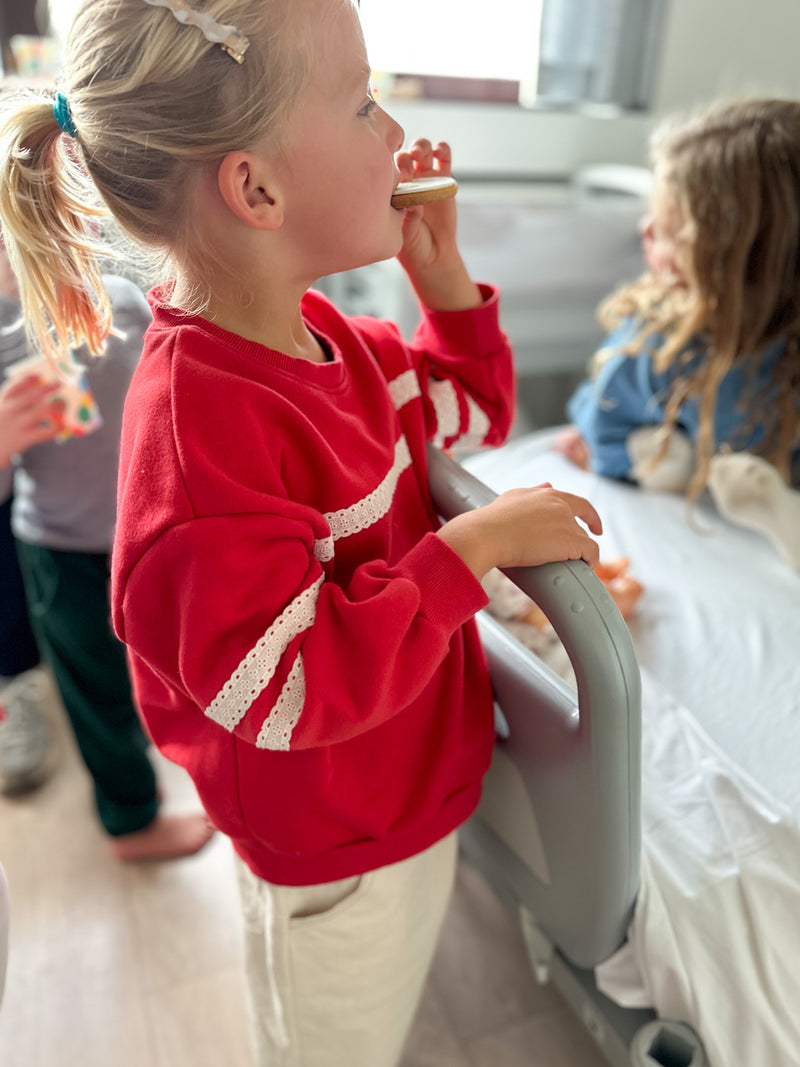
<point>43,415</point>
<point>426,158</point>
<point>35,417</point>
<point>25,425</point>
<point>405,164</point>
<point>14,387</point>
<point>443,156</point>
<point>45,411</point>
<point>44,431</point>
<point>590,551</point>
<point>422,153</point>
<point>578,545</point>
<point>423,160</point>
<point>583,510</point>
<point>26,394</point>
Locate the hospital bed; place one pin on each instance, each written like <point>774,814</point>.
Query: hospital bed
<point>647,827</point>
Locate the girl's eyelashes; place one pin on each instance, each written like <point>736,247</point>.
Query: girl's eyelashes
<point>369,106</point>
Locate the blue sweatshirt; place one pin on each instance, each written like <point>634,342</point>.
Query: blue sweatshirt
<point>627,393</point>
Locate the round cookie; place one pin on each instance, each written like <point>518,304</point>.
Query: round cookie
<point>423,191</point>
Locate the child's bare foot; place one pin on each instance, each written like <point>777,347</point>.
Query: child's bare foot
<point>168,837</point>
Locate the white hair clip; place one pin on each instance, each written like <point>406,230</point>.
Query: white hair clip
<point>227,37</point>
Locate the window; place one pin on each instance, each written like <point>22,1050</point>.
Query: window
<point>453,38</point>
<point>541,53</point>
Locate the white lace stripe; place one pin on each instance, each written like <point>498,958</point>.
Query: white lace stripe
<point>445,404</point>
<point>374,505</point>
<point>404,387</point>
<point>323,549</point>
<point>478,427</point>
<point>257,669</point>
<point>276,730</point>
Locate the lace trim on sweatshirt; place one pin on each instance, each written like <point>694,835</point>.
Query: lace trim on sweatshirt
<point>404,387</point>
<point>367,511</point>
<point>276,730</point>
<point>257,669</point>
<point>448,414</point>
<point>448,418</point>
<point>479,426</point>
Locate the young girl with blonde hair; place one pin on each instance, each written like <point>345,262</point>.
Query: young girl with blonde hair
<point>300,625</point>
<point>705,347</point>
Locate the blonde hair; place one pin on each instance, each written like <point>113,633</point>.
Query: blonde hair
<point>153,103</point>
<point>733,171</point>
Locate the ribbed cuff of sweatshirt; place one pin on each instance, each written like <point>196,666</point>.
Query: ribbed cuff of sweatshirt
<point>451,594</point>
<point>473,331</point>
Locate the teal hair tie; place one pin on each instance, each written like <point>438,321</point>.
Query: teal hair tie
<point>63,115</point>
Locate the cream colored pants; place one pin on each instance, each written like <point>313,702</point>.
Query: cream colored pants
<point>336,970</point>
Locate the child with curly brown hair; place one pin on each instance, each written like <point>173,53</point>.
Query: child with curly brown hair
<point>702,356</point>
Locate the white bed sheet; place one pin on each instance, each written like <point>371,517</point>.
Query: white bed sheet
<point>715,937</point>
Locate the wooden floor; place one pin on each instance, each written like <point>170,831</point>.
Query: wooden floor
<point>139,966</point>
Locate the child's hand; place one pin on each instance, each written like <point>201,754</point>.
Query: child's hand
<point>28,415</point>
<point>573,447</point>
<point>524,528</point>
<point>429,254</point>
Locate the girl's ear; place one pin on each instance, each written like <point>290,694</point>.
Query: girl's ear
<point>247,187</point>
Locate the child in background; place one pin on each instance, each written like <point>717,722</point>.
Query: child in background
<point>63,520</point>
<point>703,352</point>
<point>28,751</point>
<point>299,623</point>
<point>27,744</point>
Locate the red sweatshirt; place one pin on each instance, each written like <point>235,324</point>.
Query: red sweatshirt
<point>300,639</point>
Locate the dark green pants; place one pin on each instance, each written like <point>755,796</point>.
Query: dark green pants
<point>69,609</point>
<point>18,651</point>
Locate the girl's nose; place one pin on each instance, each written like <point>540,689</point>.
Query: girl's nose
<point>646,226</point>
<point>395,134</point>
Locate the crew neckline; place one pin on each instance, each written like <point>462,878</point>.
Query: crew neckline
<point>328,374</point>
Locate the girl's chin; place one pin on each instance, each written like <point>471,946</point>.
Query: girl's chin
<point>392,246</point>
<point>389,251</point>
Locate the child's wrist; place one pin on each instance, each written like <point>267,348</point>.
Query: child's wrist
<point>460,535</point>
<point>448,289</point>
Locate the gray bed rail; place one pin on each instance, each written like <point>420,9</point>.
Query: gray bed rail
<point>558,828</point>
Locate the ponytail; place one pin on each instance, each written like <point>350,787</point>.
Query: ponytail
<point>154,105</point>
<point>50,215</point>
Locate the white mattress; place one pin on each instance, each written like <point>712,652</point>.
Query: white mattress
<point>715,939</point>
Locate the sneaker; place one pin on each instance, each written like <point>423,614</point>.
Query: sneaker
<point>27,745</point>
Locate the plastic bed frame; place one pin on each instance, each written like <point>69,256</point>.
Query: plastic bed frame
<point>558,831</point>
